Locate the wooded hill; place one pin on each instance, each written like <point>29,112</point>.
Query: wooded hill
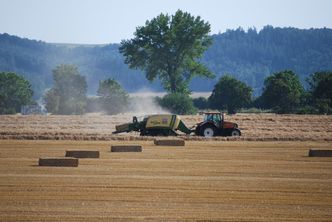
<point>249,56</point>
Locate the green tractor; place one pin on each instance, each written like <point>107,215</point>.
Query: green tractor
<point>169,124</point>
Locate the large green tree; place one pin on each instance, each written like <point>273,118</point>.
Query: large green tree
<point>282,92</point>
<point>15,91</point>
<point>168,47</point>
<point>320,90</point>
<point>112,97</point>
<point>231,94</point>
<point>68,95</point>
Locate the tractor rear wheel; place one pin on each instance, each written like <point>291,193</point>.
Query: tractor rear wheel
<point>208,131</point>
<point>236,132</point>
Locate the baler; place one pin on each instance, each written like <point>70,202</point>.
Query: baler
<point>155,125</point>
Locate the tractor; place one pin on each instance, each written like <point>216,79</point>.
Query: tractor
<point>169,124</point>
<point>214,125</point>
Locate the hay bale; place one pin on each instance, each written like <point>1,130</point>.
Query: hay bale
<point>169,142</point>
<point>82,153</point>
<point>126,148</point>
<point>58,162</point>
<point>320,153</point>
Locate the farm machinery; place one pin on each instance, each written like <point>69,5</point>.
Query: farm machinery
<point>168,125</point>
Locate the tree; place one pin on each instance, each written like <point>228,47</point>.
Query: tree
<point>177,103</point>
<point>168,47</point>
<point>282,92</point>
<point>15,91</point>
<point>320,90</point>
<point>113,98</point>
<point>68,95</point>
<point>230,94</point>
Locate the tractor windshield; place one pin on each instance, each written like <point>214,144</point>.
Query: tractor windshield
<point>215,117</point>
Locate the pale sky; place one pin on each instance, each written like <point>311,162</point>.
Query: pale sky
<point>110,21</point>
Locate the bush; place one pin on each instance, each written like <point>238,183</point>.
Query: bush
<point>177,103</point>
<point>323,106</point>
<point>254,110</point>
<point>307,110</point>
<point>201,103</point>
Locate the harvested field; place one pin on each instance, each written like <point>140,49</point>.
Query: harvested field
<point>206,181</point>
<point>255,127</point>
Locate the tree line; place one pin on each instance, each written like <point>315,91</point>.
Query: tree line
<point>282,93</point>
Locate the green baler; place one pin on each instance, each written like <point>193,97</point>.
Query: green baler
<point>155,125</point>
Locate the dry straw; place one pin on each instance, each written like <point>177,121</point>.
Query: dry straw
<point>126,148</point>
<point>320,153</point>
<point>82,153</point>
<point>169,142</point>
<point>58,162</point>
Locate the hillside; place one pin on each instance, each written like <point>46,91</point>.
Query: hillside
<point>248,55</point>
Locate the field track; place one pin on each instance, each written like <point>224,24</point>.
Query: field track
<point>203,181</point>
<point>254,127</point>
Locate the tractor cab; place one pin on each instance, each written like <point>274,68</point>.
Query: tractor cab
<point>214,117</point>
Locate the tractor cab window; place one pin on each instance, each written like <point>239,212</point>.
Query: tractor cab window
<point>215,117</point>
<point>207,117</point>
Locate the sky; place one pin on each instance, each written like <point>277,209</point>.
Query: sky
<point>110,21</point>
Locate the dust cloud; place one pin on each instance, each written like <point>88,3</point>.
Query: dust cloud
<point>143,102</point>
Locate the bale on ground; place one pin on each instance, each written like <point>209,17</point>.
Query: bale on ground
<point>169,142</point>
<point>320,153</point>
<point>58,162</point>
<point>126,148</point>
<point>82,153</point>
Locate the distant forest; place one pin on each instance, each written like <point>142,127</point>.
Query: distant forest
<point>249,56</point>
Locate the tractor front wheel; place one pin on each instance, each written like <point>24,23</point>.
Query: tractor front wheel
<point>208,131</point>
<point>236,132</point>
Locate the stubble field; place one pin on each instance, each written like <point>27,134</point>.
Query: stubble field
<point>266,177</point>
<point>203,181</point>
<point>254,127</point>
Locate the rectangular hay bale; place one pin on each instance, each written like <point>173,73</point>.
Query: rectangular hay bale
<point>82,153</point>
<point>169,142</point>
<point>126,148</point>
<point>320,153</point>
<point>58,162</point>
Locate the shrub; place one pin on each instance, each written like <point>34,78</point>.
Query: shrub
<point>177,103</point>
<point>201,103</point>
